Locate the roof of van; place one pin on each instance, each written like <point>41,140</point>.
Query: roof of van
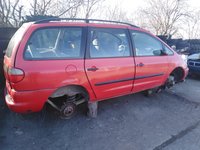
<point>97,21</point>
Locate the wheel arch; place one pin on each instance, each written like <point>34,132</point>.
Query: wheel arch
<point>179,73</point>
<point>70,90</point>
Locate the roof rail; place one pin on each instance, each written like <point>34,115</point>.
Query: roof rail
<point>85,20</point>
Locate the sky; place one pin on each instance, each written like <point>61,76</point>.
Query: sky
<point>133,5</point>
<point>128,5</point>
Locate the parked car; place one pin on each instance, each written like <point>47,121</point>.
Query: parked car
<point>194,63</point>
<point>65,63</point>
<point>2,79</point>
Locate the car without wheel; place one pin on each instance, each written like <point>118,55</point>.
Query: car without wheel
<point>66,62</point>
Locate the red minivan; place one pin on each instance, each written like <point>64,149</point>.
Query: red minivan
<point>65,62</point>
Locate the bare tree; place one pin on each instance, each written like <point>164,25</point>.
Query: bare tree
<point>66,8</point>
<point>90,6</point>
<point>76,8</point>
<point>117,14</point>
<point>163,15</point>
<point>192,25</point>
<point>10,13</point>
<point>40,7</point>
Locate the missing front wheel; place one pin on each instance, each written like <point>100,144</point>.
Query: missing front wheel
<point>170,81</point>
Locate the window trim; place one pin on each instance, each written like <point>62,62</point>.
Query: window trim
<point>87,55</point>
<point>82,47</point>
<point>133,42</point>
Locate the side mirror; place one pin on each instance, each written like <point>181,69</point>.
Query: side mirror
<point>159,53</point>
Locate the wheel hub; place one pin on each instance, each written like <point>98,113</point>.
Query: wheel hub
<point>170,81</point>
<point>68,110</point>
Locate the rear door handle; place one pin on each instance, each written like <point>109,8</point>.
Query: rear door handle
<point>140,65</point>
<point>92,69</point>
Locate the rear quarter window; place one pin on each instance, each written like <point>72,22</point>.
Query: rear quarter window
<point>54,43</point>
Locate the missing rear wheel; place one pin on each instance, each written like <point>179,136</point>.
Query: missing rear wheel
<point>68,110</point>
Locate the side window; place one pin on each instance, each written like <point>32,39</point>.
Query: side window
<point>146,45</point>
<point>54,43</point>
<point>108,43</point>
<point>168,51</point>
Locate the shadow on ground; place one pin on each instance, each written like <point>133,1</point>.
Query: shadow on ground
<point>128,122</point>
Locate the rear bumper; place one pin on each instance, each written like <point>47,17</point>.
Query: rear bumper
<point>26,101</point>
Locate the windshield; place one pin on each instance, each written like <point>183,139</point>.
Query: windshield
<point>15,39</point>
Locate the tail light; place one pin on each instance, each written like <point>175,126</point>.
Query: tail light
<point>15,75</point>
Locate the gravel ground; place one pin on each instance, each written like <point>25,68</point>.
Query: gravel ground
<point>169,120</point>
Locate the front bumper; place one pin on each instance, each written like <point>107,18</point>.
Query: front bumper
<point>26,101</point>
<point>194,66</point>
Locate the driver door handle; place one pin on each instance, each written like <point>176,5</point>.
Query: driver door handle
<point>92,69</point>
<point>140,65</point>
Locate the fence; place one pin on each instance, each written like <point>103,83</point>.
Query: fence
<point>189,46</point>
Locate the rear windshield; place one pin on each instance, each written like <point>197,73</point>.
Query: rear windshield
<point>15,39</point>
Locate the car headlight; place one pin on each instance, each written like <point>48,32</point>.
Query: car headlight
<point>184,57</point>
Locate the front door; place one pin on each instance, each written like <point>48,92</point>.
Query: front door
<point>151,63</point>
<point>109,64</point>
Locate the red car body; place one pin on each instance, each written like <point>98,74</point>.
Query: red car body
<point>29,83</point>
